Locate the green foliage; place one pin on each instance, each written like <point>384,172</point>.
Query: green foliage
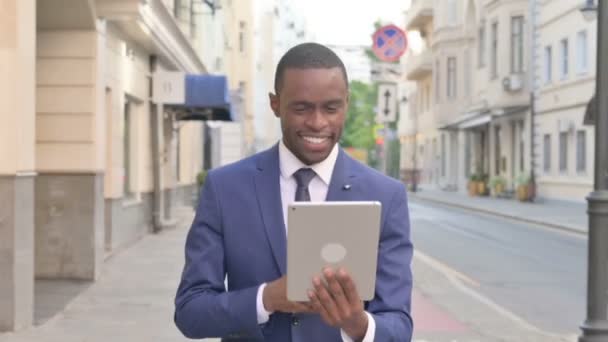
<point>359,125</point>
<point>200,178</point>
<point>523,179</point>
<point>498,180</point>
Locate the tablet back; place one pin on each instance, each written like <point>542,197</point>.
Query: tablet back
<point>332,234</point>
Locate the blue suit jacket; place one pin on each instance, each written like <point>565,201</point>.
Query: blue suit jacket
<point>238,232</point>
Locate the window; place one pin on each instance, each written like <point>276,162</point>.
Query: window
<point>497,152</point>
<point>452,12</point>
<point>451,77</point>
<point>522,139</point>
<point>581,151</point>
<point>548,64</point>
<point>494,57</point>
<point>127,149</point>
<point>178,155</point>
<point>547,153</point>
<point>517,44</point>
<point>563,151</point>
<point>481,46</point>
<point>242,37</point>
<point>581,52</point>
<point>564,58</point>
<point>467,154</point>
<point>443,155</point>
<point>437,79</point>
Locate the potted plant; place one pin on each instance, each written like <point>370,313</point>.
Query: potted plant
<point>482,182</point>
<point>523,187</point>
<point>497,184</point>
<point>472,186</point>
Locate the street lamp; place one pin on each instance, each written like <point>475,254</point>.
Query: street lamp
<point>589,10</point>
<point>595,327</point>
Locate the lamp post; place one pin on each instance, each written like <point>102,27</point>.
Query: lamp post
<point>595,326</point>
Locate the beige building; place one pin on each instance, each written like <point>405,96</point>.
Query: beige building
<point>566,60</point>
<point>278,27</point>
<point>88,161</point>
<point>472,95</point>
<point>423,114</point>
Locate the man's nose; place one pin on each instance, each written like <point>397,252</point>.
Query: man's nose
<point>317,120</point>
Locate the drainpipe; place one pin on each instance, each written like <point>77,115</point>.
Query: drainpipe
<point>159,222</point>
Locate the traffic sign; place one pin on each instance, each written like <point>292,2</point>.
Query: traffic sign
<point>389,43</point>
<point>387,103</point>
<point>386,72</point>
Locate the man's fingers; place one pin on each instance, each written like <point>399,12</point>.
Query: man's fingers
<point>337,293</point>
<point>348,286</point>
<point>315,302</point>
<point>326,300</point>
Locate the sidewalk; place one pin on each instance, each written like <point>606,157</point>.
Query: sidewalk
<point>132,300</point>
<point>568,216</point>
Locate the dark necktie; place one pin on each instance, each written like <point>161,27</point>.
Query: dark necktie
<point>303,178</point>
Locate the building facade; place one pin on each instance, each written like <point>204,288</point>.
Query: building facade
<point>566,63</point>
<point>480,63</point>
<point>88,161</point>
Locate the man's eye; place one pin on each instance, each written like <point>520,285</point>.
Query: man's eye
<point>332,109</point>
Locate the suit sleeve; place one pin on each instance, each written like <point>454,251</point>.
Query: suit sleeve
<point>392,302</point>
<point>203,307</point>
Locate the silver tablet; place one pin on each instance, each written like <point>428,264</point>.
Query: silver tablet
<point>332,234</point>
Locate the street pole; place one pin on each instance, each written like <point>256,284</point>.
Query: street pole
<point>595,327</point>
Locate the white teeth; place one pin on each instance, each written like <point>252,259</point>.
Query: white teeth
<point>314,140</point>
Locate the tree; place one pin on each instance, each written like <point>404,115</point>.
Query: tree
<point>360,119</point>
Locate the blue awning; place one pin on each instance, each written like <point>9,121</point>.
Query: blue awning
<point>207,98</point>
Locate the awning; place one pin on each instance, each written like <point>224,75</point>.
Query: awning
<point>207,98</point>
<point>475,122</point>
<point>194,97</point>
<point>481,117</point>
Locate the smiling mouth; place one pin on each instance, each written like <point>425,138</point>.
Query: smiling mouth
<point>315,140</point>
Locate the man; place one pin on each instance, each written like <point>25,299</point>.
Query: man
<point>239,230</point>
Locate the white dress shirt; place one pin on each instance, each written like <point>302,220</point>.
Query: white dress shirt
<point>318,187</point>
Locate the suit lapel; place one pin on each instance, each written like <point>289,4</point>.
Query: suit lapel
<point>342,180</point>
<point>268,191</point>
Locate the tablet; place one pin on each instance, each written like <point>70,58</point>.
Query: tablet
<point>332,234</point>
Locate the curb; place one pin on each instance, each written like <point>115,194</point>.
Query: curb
<point>562,227</point>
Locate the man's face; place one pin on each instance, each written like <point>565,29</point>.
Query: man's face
<point>312,105</point>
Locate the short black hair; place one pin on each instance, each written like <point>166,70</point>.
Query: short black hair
<point>308,56</point>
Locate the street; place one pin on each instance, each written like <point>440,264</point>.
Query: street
<point>536,274</point>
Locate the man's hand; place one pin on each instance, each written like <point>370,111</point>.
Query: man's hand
<point>275,298</point>
<point>338,302</point>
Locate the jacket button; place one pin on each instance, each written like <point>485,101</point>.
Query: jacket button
<point>295,321</point>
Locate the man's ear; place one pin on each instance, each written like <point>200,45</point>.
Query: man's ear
<point>274,104</point>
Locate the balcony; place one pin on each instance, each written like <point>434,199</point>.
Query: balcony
<point>418,66</point>
<point>419,14</point>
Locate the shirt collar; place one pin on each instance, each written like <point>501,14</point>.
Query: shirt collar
<point>289,163</point>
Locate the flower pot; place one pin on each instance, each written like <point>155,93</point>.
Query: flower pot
<point>472,188</point>
<point>481,188</point>
<point>499,189</point>
<point>522,193</point>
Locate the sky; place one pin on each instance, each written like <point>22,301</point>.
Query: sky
<point>349,22</point>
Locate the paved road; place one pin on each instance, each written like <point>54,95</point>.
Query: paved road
<point>535,273</point>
